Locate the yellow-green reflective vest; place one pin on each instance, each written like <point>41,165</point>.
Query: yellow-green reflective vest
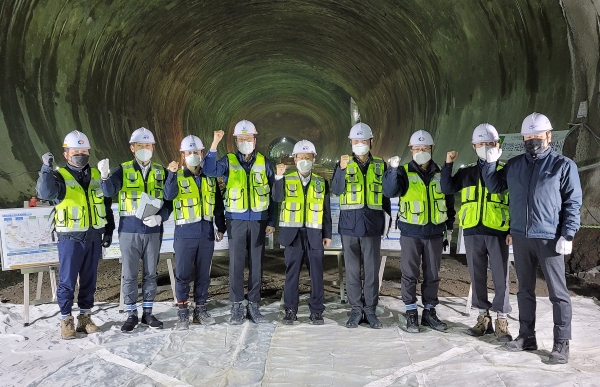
<point>478,204</point>
<point>134,186</point>
<point>244,190</point>
<point>190,206</point>
<point>361,191</point>
<point>422,204</point>
<point>79,209</point>
<point>298,210</point>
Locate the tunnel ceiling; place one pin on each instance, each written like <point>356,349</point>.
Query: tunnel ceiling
<point>179,67</point>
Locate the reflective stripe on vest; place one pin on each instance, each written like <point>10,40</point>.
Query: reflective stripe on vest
<point>191,207</point>
<point>357,190</point>
<point>299,210</point>
<point>422,204</point>
<point>134,185</point>
<point>242,188</point>
<point>80,209</point>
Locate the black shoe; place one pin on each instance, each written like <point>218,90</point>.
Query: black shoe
<point>290,316</point>
<point>560,352</point>
<point>412,321</point>
<point>151,321</point>
<point>354,320</point>
<point>254,314</point>
<point>431,319</point>
<point>522,343</point>
<point>201,316</point>
<point>183,322</point>
<point>130,323</point>
<point>237,314</point>
<point>317,319</point>
<point>373,321</point>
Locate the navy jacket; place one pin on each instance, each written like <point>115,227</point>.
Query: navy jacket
<point>395,183</point>
<point>202,229</point>
<point>545,194</point>
<point>51,186</point>
<point>315,236</point>
<point>131,224</point>
<point>364,221</point>
<point>220,168</point>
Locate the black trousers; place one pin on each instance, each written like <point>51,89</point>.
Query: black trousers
<point>193,255</point>
<point>415,251</point>
<point>362,251</point>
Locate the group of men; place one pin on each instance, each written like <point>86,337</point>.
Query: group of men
<point>540,220</point>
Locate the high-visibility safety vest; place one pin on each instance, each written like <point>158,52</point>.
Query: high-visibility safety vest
<point>192,204</point>
<point>422,203</point>
<point>80,209</point>
<point>299,209</point>
<point>247,191</point>
<point>361,190</point>
<point>134,185</point>
<point>479,205</point>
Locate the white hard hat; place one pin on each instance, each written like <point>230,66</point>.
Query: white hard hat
<point>304,146</point>
<point>142,136</point>
<point>420,137</point>
<point>243,128</point>
<point>76,140</point>
<point>191,143</point>
<point>360,131</point>
<point>484,133</point>
<point>535,123</point>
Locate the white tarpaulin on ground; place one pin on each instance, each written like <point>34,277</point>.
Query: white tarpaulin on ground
<point>276,355</point>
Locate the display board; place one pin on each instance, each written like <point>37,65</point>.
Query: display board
<point>512,144</point>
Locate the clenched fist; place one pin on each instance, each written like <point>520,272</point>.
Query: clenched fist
<point>104,168</point>
<point>395,162</point>
<point>451,156</point>
<point>344,160</point>
<point>280,169</point>
<point>217,137</point>
<point>173,166</point>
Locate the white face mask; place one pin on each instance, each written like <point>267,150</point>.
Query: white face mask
<point>422,157</point>
<point>304,166</point>
<point>245,147</point>
<point>481,152</point>
<point>143,155</point>
<point>360,149</point>
<point>193,160</point>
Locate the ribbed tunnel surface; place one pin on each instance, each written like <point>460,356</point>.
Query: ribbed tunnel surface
<point>292,67</point>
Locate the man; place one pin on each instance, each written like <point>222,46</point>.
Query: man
<point>357,180</point>
<point>425,220</point>
<point>485,221</point>
<point>305,229</point>
<point>545,198</point>
<point>249,213</point>
<point>138,239</point>
<point>84,223</point>
<point>197,202</point>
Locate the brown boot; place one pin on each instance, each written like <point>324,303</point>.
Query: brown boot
<point>67,328</point>
<point>502,332</point>
<point>483,326</point>
<point>85,323</point>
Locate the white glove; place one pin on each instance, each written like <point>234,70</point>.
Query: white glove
<point>104,168</point>
<point>153,220</point>
<point>564,246</point>
<point>493,154</point>
<point>448,237</point>
<point>395,162</point>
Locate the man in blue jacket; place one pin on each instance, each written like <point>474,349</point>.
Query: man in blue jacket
<point>545,198</point>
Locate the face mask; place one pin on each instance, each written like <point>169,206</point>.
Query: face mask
<point>193,160</point>
<point>245,147</point>
<point>360,149</point>
<point>304,166</point>
<point>80,160</point>
<point>481,152</point>
<point>535,146</point>
<point>422,157</point>
<point>143,155</point>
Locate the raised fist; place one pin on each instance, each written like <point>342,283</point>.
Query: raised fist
<point>48,159</point>
<point>173,166</point>
<point>451,156</point>
<point>280,169</point>
<point>344,160</point>
<point>395,162</point>
<point>104,168</point>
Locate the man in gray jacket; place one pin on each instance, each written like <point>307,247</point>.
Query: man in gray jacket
<point>545,198</point>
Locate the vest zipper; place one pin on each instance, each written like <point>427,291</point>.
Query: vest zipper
<point>483,200</point>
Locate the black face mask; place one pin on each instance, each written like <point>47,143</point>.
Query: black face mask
<point>535,146</point>
<point>80,160</point>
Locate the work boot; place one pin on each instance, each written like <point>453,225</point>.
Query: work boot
<point>522,343</point>
<point>67,328</point>
<point>483,326</point>
<point>502,333</point>
<point>560,352</point>
<point>431,319</point>
<point>355,317</point>
<point>237,314</point>
<point>130,323</point>
<point>183,322</point>
<point>373,321</point>
<point>412,321</point>
<point>317,319</point>
<point>201,316</point>
<point>290,316</point>
<point>85,323</point>
<point>151,321</point>
<point>254,314</point>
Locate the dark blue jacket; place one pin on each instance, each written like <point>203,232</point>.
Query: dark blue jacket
<point>131,224</point>
<point>220,168</point>
<point>545,194</point>
<point>202,229</point>
<point>395,183</point>
<point>315,236</point>
<point>51,186</point>
<point>364,221</point>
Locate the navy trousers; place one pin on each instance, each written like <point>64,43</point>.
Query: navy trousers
<point>193,256</point>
